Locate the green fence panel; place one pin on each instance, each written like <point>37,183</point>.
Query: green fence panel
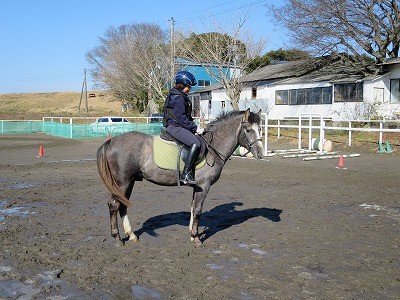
<point>20,127</point>
<point>76,131</point>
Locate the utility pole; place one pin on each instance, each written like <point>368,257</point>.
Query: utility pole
<point>172,51</point>
<point>84,86</point>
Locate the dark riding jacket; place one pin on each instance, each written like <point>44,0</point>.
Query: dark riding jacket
<point>178,110</point>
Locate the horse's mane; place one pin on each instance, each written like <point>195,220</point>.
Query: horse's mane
<point>253,118</point>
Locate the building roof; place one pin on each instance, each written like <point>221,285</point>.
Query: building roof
<point>186,62</point>
<point>322,69</point>
<point>334,72</point>
<point>332,69</point>
<point>390,61</point>
<point>281,70</point>
<point>208,88</point>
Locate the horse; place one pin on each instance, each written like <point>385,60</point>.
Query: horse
<point>127,158</point>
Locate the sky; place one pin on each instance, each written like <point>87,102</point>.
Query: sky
<point>43,42</point>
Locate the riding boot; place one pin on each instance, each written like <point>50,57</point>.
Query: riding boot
<point>186,176</point>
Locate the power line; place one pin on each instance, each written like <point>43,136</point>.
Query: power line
<point>199,11</point>
<point>200,17</point>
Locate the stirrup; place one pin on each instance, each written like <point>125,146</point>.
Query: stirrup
<point>187,179</point>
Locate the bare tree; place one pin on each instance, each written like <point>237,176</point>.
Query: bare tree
<point>224,55</point>
<point>131,59</point>
<point>354,26</point>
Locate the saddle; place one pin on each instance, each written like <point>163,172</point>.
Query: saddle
<point>170,154</point>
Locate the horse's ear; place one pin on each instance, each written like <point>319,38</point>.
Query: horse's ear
<point>247,114</point>
<point>259,113</point>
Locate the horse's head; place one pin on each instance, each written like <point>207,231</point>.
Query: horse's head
<point>249,136</point>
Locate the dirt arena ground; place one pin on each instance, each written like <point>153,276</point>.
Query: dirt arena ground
<point>274,229</point>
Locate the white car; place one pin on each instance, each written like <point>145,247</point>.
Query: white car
<point>111,125</point>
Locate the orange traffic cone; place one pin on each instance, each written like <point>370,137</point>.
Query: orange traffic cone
<point>341,162</point>
<point>41,152</point>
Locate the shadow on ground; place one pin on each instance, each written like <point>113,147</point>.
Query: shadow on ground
<point>214,221</point>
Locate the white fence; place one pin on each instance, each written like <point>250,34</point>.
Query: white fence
<point>314,122</point>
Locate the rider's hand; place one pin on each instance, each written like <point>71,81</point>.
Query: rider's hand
<point>199,130</point>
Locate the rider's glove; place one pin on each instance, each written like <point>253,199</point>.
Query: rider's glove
<point>199,130</point>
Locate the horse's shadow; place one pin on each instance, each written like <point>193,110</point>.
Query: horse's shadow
<point>214,221</point>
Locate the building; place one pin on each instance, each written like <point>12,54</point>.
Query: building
<point>202,72</point>
<point>333,86</point>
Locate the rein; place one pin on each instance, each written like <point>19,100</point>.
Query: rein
<point>219,154</point>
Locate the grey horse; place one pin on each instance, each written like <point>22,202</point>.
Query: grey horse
<point>127,158</point>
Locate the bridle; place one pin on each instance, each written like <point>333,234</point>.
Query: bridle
<point>248,143</point>
<point>219,154</point>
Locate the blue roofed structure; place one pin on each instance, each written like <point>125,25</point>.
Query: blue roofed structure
<point>206,74</point>
<point>202,72</point>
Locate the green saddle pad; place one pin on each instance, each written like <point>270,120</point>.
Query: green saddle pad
<point>166,153</point>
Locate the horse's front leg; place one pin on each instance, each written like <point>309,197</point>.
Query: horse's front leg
<point>199,195</point>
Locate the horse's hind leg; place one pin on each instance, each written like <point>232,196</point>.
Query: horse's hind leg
<point>113,206</point>
<point>123,212</point>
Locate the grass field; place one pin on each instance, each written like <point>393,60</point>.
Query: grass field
<point>26,106</point>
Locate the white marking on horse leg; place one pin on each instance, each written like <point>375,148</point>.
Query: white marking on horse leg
<point>128,228</point>
<point>191,219</point>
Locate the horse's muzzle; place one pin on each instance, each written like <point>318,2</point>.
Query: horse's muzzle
<point>258,151</point>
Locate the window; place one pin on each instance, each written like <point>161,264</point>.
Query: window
<point>318,95</point>
<point>293,97</point>
<point>118,120</point>
<point>395,90</point>
<point>205,95</point>
<point>326,95</point>
<point>253,92</point>
<point>313,95</point>
<point>204,82</point>
<point>349,92</point>
<point>281,97</point>
<point>301,96</point>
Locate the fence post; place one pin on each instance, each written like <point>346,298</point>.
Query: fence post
<point>70,126</point>
<point>322,130</point>
<point>350,133</point>
<point>299,132</point>
<point>265,134</point>
<point>310,132</point>
<point>279,129</point>
<point>380,132</point>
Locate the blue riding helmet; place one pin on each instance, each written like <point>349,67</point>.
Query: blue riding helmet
<point>186,78</point>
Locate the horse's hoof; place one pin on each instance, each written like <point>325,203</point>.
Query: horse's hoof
<point>196,240</point>
<point>119,243</point>
<point>134,239</point>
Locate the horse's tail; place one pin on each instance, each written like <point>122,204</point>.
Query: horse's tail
<point>107,177</point>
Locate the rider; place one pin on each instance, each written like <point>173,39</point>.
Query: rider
<point>179,121</point>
